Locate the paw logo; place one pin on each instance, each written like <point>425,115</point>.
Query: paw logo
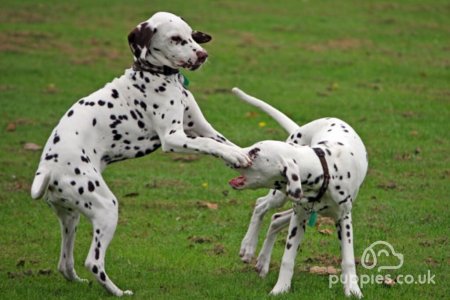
<point>377,250</point>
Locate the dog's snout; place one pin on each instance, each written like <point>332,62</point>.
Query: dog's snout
<point>202,56</point>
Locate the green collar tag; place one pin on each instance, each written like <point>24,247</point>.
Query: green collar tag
<point>185,82</point>
<point>312,219</point>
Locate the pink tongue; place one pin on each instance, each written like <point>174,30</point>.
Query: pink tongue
<point>237,182</point>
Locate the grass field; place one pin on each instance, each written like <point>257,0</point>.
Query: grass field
<point>383,66</point>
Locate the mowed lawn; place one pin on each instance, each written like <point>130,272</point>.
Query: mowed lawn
<point>383,66</point>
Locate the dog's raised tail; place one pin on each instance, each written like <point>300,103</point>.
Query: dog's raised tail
<point>40,183</point>
<point>285,122</point>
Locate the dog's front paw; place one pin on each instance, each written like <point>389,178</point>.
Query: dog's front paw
<point>353,290</point>
<point>237,158</point>
<point>280,289</point>
<point>247,251</point>
<point>351,287</point>
<point>81,280</point>
<point>262,265</point>
<point>120,293</point>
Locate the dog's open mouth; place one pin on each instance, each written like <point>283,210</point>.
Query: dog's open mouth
<point>191,65</point>
<point>237,183</point>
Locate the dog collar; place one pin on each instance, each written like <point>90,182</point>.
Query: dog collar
<point>145,66</point>
<point>326,173</point>
<point>326,180</point>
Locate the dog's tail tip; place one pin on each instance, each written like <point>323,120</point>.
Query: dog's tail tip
<point>40,183</point>
<point>237,91</point>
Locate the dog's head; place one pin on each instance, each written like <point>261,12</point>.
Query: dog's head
<point>272,167</point>
<point>167,40</point>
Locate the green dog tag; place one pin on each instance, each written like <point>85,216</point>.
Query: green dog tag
<point>312,219</point>
<point>185,82</point>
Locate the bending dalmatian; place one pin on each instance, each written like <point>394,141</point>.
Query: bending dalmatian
<point>321,168</point>
<point>130,117</point>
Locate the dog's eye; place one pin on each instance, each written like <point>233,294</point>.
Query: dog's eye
<point>176,39</point>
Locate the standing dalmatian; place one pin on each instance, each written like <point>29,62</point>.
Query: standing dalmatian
<point>321,168</point>
<point>130,117</point>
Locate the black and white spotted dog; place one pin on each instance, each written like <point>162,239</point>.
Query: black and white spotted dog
<point>131,116</point>
<point>321,168</point>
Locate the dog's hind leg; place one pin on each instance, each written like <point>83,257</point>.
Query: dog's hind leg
<point>345,235</point>
<point>279,221</point>
<point>103,214</point>
<point>273,199</point>
<point>295,236</point>
<point>68,220</point>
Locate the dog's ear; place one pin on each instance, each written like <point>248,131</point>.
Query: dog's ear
<point>292,173</point>
<point>200,37</point>
<point>140,38</point>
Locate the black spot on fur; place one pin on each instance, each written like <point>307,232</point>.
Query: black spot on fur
<point>254,153</point>
<point>91,186</point>
<point>94,269</point>
<point>115,94</point>
<point>293,232</point>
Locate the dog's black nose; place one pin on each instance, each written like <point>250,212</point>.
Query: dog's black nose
<point>201,56</point>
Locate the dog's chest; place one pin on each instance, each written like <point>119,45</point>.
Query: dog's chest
<point>118,121</point>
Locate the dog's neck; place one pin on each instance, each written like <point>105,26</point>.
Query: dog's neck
<point>308,160</point>
<point>145,66</point>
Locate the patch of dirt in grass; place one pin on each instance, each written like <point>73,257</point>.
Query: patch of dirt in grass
<point>23,16</point>
<point>330,270</point>
<point>200,239</point>
<point>161,205</point>
<point>166,183</point>
<point>413,155</point>
<point>27,41</point>
<point>206,204</point>
<point>250,40</point>
<point>431,261</point>
<point>218,249</point>
<point>435,242</point>
<point>343,44</point>
<point>89,52</point>
<point>185,157</point>
<point>324,259</point>
<point>18,185</point>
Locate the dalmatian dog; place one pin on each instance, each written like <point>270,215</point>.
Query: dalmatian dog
<point>130,117</point>
<point>321,168</point>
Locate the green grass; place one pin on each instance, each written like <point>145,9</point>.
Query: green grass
<point>382,66</point>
